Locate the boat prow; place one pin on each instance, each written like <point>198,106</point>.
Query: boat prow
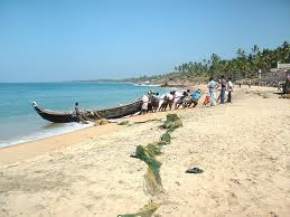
<point>55,117</point>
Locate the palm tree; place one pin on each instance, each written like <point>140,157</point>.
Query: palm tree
<point>242,66</point>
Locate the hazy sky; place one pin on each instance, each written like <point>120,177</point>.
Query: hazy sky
<point>53,40</point>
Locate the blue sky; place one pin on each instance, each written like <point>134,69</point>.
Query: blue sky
<point>55,40</point>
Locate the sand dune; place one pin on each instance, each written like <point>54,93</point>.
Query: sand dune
<point>243,148</point>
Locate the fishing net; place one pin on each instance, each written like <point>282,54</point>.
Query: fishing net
<point>152,176</point>
<point>102,122</point>
<point>146,211</point>
<point>153,184</point>
<point>172,122</point>
<point>124,123</point>
<point>165,138</point>
<point>149,158</point>
<point>153,149</point>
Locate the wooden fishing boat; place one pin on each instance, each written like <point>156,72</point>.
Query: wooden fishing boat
<point>111,113</point>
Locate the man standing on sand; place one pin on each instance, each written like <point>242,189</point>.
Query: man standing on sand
<point>223,89</point>
<point>230,88</point>
<point>212,86</point>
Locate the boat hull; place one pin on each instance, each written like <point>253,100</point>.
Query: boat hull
<point>55,117</point>
<point>111,113</point>
<point>121,111</point>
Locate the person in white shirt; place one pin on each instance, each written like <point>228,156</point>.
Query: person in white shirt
<point>177,97</point>
<point>166,100</point>
<point>212,87</point>
<point>145,103</point>
<point>230,88</point>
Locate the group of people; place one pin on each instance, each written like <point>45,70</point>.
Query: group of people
<point>226,89</point>
<point>172,100</point>
<point>152,102</point>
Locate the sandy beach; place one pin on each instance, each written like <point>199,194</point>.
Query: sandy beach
<point>243,148</point>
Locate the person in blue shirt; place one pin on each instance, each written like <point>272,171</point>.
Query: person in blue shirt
<point>195,96</point>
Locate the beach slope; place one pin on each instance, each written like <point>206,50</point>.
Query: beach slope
<point>243,148</point>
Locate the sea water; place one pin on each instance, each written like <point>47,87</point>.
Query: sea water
<point>20,123</point>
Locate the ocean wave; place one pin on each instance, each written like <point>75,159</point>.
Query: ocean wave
<point>45,133</point>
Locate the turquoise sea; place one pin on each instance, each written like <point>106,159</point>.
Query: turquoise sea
<point>19,122</point>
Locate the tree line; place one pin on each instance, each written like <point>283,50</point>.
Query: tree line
<point>243,65</point>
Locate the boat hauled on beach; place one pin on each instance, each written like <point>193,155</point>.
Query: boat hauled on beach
<point>67,117</point>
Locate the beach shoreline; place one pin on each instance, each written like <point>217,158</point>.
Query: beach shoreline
<point>45,144</point>
<point>26,150</point>
<point>33,148</point>
<point>19,121</point>
<point>243,149</point>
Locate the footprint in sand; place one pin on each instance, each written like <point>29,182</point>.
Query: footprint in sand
<point>232,199</point>
<point>273,214</point>
<point>236,181</point>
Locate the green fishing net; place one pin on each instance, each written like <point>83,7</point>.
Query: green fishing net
<point>153,149</point>
<point>152,176</point>
<point>172,122</point>
<point>148,157</point>
<point>147,154</point>
<point>165,137</point>
<point>146,211</point>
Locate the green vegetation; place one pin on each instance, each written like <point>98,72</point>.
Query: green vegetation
<point>244,65</point>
